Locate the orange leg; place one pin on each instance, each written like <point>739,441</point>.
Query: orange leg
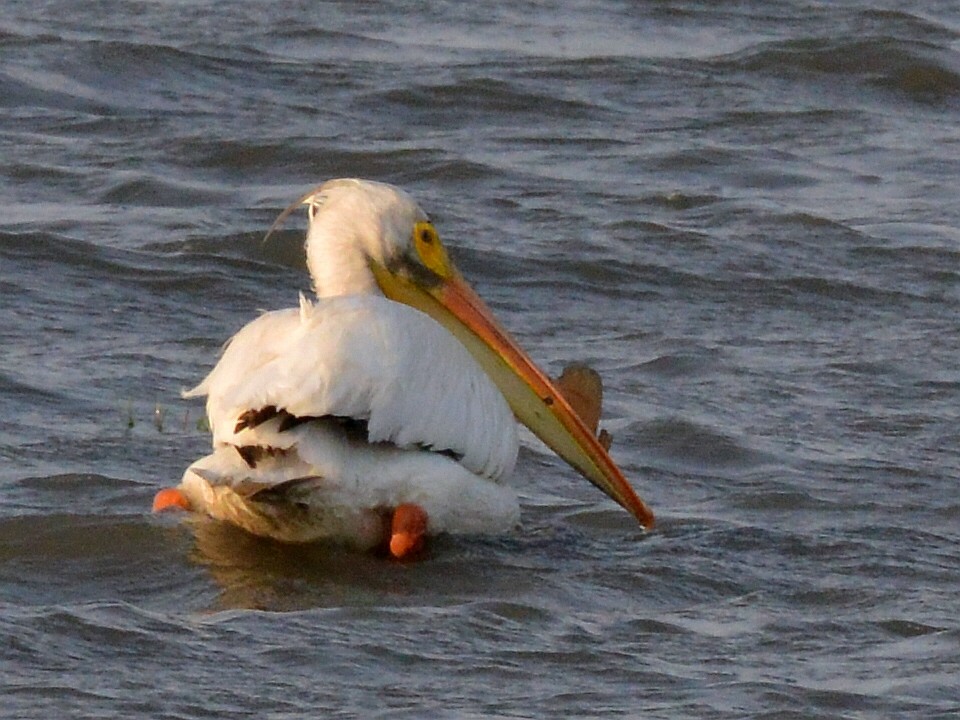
<point>408,530</point>
<point>170,498</point>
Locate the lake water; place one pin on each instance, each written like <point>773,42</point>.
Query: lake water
<point>744,215</point>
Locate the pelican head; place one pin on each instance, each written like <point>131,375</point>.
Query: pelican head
<point>370,237</point>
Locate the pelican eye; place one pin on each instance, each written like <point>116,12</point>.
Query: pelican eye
<point>430,250</point>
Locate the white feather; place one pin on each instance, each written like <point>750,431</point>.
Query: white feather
<point>354,354</point>
<point>364,357</point>
<point>345,487</point>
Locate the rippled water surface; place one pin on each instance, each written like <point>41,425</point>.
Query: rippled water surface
<point>744,215</point>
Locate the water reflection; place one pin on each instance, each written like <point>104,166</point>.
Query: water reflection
<point>256,573</point>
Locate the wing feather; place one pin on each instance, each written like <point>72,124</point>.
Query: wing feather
<point>368,358</point>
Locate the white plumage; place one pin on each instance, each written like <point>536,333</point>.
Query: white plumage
<point>362,357</point>
<point>438,432</point>
<point>380,411</point>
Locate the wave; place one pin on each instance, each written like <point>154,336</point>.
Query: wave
<point>191,265</point>
<point>917,69</point>
<point>681,443</point>
<point>483,95</point>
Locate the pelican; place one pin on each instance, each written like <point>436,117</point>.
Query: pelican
<point>386,409</point>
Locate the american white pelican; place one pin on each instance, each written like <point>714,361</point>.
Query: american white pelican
<point>369,416</point>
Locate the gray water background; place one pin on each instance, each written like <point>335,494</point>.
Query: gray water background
<point>744,215</point>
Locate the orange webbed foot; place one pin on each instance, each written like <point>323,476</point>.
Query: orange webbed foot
<point>408,530</point>
<point>170,499</point>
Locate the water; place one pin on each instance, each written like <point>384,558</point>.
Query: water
<point>745,216</point>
